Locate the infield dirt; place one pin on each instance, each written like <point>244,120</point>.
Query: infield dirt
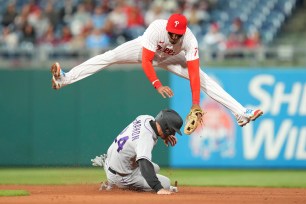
<point>85,194</point>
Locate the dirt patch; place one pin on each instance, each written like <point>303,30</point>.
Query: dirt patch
<point>85,194</point>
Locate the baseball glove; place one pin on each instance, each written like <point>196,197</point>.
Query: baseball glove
<point>194,118</point>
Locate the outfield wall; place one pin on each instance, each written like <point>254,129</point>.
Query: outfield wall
<point>276,140</point>
<point>41,126</point>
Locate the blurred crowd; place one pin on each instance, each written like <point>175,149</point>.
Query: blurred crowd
<point>93,24</point>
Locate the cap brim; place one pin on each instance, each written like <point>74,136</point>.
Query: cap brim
<point>176,31</point>
<point>178,131</point>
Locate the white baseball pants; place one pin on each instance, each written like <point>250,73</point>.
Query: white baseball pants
<point>131,53</point>
<point>134,180</point>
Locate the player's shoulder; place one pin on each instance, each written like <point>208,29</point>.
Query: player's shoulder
<point>143,121</point>
<point>189,38</point>
<point>158,23</point>
<point>144,118</point>
<point>189,34</point>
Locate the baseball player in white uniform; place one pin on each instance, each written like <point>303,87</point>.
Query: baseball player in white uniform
<point>168,44</point>
<point>128,163</point>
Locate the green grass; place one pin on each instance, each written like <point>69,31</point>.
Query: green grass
<point>51,176</point>
<point>254,178</point>
<point>14,193</point>
<point>191,177</point>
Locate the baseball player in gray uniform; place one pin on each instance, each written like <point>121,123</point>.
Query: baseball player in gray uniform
<point>128,163</point>
<point>168,44</point>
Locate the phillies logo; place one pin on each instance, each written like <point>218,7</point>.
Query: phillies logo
<point>165,50</point>
<point>176,23</point>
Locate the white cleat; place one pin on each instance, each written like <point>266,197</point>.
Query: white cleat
<point>248,115</point>
<point>253,114</point>
<point>242,121</point>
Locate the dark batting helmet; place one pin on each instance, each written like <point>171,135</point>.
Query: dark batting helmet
<point>169,121</point>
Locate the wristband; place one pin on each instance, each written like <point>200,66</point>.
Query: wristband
<point>156,84</point>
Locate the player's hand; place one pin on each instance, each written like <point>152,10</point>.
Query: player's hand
<point>165,91</point>
<point>164,192</point>
<point>170,139</point>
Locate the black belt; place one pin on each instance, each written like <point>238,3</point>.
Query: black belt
<point>115,172</point>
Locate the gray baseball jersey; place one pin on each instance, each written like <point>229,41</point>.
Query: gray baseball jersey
<point>135,142</point>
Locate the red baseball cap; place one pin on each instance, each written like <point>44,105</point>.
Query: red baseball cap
<point>177,24</point>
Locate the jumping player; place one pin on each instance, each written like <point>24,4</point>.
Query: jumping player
<point>128,164</point>
<point>168,44</point>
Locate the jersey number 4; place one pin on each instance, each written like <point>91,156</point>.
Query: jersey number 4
<point>121,142</point>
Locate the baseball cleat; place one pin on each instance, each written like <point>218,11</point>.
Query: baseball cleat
<point>99,160</point>
<point>55,84</point>
<point>249,115</point>
<point>253,114</point>
<point>57,72</point>
<point>242,121</point>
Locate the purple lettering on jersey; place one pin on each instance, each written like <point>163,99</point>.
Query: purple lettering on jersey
<point>121,143</point>
<point>136,129</point>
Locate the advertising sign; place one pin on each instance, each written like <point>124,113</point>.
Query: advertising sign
<point>275,140</point>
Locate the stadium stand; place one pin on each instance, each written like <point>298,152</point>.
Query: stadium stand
<point>46,30</point>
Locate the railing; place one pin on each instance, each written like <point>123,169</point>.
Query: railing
<point>42,57</point>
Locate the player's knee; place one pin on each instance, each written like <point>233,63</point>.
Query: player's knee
<point>165,181</point>
<point>156,168</point>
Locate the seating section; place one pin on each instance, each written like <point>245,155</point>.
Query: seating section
<point>263,16</point>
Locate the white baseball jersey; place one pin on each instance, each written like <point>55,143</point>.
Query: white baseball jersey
<point>156,39</point>
<point>169,57</point>
<point>135,142</point>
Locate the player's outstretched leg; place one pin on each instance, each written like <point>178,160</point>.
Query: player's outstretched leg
<point>216,92</point>
<point>127,53</point>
